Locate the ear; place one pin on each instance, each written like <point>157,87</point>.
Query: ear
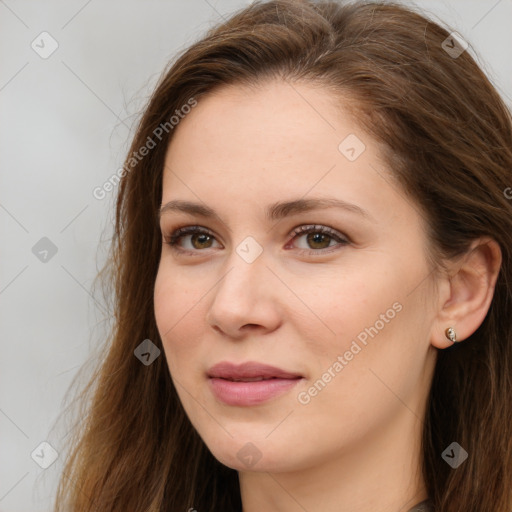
<point>467,292</point>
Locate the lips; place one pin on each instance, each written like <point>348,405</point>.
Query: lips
<point>249,384</point>
<point>249,372</point>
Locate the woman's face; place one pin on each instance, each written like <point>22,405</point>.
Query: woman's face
<point>348,312</point>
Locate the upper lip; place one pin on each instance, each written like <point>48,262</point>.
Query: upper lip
<point>248,370</point>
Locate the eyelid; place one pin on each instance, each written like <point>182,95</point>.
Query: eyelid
<point>301,229</point>
<point>306,228</point>
<point>182,231</point>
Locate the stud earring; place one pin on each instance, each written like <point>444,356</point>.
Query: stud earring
<point>450,334</point>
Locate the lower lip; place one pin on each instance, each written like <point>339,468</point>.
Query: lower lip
<point>250,393</point>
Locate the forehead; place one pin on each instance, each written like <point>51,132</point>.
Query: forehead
<point>277,131</point>
<point>242,150</point>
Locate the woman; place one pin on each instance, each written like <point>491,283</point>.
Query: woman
<point>312,273</point>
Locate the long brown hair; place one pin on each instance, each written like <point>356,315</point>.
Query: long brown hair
<point>447,139</point>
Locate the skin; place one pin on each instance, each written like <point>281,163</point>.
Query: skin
<point>355,445</point>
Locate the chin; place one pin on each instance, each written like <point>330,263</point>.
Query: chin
<point>243,454</point>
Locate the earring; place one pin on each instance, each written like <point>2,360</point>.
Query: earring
<point>450,334</point>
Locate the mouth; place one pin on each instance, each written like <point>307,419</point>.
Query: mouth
<point>250,383</point>
<point>249,371</point>
<point>249,379</point>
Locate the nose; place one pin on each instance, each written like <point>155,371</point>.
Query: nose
<point>246,298</point>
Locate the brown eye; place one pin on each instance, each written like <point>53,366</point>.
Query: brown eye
<point>319,238</point>
<point>203,240</point>
<point>199,239</point>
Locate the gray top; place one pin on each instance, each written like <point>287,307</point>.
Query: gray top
<point>424,506</point>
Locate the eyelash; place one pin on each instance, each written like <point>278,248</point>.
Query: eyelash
<point>302,230</point>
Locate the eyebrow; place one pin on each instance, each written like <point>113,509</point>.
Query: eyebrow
<point>274,211</point>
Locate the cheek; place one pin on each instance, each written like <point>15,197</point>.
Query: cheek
<point>376,358</point>
<point>177,306</point>
<point>366,317</point>
<point>339,308</point>
<point>176,297</point>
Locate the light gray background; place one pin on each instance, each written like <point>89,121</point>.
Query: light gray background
<point>66,123</point>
